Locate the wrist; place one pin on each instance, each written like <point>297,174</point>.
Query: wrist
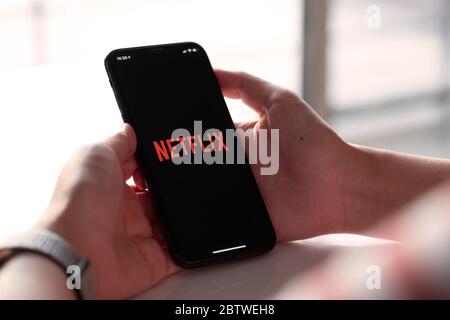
<point>358,189</point>
<point>376,184</point>
<point>31,276</point>
<point>66,221</point>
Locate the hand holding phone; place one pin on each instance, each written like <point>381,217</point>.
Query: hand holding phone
<point>209,211</point>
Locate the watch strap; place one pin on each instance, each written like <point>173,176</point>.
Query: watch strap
<point>54,247</point>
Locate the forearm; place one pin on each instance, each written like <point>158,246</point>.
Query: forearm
<point>31,276</point>
<point>378,182</point>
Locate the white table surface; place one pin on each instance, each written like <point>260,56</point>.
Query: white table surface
<point>276,275</point>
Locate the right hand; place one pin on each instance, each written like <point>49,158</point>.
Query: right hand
<point>304,198</point>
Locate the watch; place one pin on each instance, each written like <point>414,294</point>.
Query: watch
<point>55,248</point>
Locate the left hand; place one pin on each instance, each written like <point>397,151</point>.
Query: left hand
<point>107,221</point>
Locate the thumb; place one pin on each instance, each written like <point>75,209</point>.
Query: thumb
<point>123,143</point>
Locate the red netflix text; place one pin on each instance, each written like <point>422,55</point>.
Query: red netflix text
<point>165,149</point>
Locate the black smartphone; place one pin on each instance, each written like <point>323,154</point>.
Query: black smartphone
<point>209,212</point>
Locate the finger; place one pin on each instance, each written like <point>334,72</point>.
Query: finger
<point>129,168</point>
<point>134,188</point>
<point>149,209</point>
<point>160,263</point>
<point>158,235</point>
<point>253,91</point>
<point>147,204</point>
<point>246,124</point>
<point>139,180</point>
<point>171,266</point>
<point>123,143</point>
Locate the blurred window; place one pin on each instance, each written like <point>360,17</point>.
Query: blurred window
<point>258,36</point>
<point>387,74</point>
<point>384,50</point>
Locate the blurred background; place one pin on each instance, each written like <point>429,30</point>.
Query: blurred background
<point>378,71</point>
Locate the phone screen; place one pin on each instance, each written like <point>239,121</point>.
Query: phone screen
<point>208,212</point>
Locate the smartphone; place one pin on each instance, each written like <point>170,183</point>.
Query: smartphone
<point>209,212</point>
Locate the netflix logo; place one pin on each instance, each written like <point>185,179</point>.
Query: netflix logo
<point>212,146</point>
<point>189,144</point>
